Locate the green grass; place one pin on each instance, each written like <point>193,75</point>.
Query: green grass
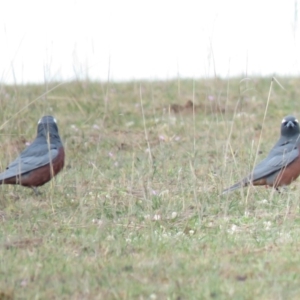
<point>137,211</point>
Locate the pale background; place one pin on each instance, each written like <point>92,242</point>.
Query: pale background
<point>135,39</point>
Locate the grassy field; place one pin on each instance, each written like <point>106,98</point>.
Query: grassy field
<point>137,211</point>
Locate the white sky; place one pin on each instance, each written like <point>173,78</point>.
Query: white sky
<point>138,39</point>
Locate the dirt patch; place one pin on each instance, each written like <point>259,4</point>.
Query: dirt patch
<point>190,106</point>
<point>24,243</point>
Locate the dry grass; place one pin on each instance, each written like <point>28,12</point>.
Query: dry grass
<point>136,214</point>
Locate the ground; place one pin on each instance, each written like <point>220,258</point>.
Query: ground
<point>137,212</point>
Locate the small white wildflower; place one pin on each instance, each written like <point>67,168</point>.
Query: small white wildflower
<point>267,225</point>
<point>147,217</point>
<point>153,192</point>
<point>129,124</point>
<point>191,232</point>
<point>233,229</point>
<point>110,238</point>
<point>156,217</point>
<point>284,237</point>
<point>174,215</point>
<point>24,282</point>
<point>74,127</point>
<point>100,223</point>
<point>210,224</point>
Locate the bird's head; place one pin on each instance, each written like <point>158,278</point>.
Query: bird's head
<point>289,126</point>
<point>47,124</point>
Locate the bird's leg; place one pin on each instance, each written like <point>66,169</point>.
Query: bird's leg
<point>37,193</point>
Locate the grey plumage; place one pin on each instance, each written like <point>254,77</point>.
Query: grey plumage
<point>282,154</point>
<point>37,154</point>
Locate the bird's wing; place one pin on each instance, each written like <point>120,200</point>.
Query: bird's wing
<point>31,158</point>
<point>279,157</point>
<point>274,162</point>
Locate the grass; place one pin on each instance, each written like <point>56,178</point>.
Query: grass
<point>137,211</point>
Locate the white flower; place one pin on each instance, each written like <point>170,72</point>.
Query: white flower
<point>156,217</point>
<point>234,229</point>
<point>267,225</point>
<point>174,215</point>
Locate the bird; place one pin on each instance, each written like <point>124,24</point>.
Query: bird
<point>282,165</point>
<point>40,161</point>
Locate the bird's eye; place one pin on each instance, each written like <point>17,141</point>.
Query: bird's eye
<point>296,121</point>
<point>283,121</point>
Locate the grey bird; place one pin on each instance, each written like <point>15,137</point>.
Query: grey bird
<point>282,165</point>
<point>40,161</point>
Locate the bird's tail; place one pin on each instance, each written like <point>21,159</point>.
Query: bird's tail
<point>236,186</point>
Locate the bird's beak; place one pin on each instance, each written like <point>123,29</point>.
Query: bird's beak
<point>290,124</point>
